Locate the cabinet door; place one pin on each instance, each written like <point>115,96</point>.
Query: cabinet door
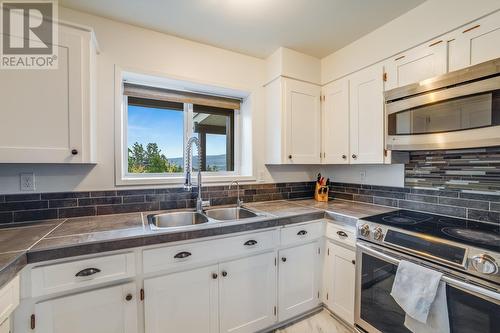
<point>303,122</point>
<point>99,311</point>
<point>476,43</point>
<point>420,63</point>
<point>247,293</point>
<point>367,116</point>
<point>43,110</point>
<point>298,280</point>
<point>182,302</point>
<point>339,281</point>
<point>335,122</point>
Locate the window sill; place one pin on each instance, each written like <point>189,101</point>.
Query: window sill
<point>175,180</point>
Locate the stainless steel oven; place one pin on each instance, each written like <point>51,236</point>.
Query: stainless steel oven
<point>473,307</point>
<point>460,109</point>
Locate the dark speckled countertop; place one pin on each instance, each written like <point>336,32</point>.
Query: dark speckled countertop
<point>35,242</point>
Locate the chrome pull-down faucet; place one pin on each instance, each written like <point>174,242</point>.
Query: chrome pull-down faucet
<point>238,201</point>
<point>187,171</point>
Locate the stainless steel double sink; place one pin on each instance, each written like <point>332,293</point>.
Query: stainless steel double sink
<point>191,218</point>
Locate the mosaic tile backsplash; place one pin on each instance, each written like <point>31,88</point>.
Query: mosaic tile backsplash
<point>43,206</point>
<point>465,170</point>
<point>473,206</point>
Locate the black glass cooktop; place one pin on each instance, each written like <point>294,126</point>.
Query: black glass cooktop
<point>482,235</point>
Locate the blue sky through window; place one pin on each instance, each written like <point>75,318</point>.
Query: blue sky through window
<point>166,128</point>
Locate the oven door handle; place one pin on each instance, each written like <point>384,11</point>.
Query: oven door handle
<point>447,279</point>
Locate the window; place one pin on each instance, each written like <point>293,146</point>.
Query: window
<point>214,128</point>
<point>158,122</point>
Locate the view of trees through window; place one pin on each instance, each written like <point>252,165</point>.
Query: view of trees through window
<point>155,139</point>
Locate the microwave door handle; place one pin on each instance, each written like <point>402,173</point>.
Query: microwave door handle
<point>474,289</point>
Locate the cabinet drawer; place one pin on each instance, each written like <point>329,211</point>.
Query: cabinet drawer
<point>341,234</point>
<point>9,299</point>
<point>302,233</point>
<point>248,244</point>
<point>75,274</point>
<point>165,258</point>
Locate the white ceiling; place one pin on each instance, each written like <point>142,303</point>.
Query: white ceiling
<point>255,27</point>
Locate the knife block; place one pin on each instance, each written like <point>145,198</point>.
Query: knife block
<point>321,197</point>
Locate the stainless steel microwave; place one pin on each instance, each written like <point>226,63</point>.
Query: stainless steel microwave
<point>459,109</point>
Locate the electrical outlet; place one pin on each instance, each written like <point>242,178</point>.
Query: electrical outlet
<point>28,182</point>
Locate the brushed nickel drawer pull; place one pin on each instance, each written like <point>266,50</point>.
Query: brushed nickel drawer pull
<point>88,272</point>
<point>436,43</point>
<point>471,28</point>
<point>182,255</point>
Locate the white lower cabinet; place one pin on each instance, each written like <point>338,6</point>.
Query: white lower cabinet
<point>183,302</point>
<point>234,296</point>
<point>339,280</point>
<point>298,280</point>
<point>106,310</point>
<point>247,293</point>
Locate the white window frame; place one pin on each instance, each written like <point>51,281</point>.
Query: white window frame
<point>123,177</point>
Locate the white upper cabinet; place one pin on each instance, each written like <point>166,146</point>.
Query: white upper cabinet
<point>420,63</point>
<point>298,280</point>
<point>293,122</point>
<point>112,309</point>
<point>366,105</point>
<point>475,43</point>
<point>47,113</point>
<point>335,122</point>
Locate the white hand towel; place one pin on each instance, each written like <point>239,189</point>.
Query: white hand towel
<point>414,289</point>
<point>437,321</point>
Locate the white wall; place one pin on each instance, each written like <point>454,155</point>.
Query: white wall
<point>148,51</point>
<point>419,25</point>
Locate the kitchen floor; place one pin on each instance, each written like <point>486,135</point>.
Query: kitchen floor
<point>322,322</point>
